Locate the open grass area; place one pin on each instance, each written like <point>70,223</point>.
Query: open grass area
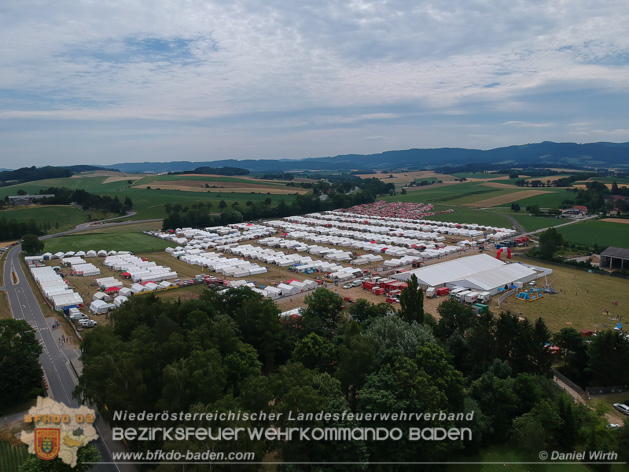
<point>530,222</point>
<point>63,216</point>
<point>580,303</point>
<point>111,240</point>
<point>471,215</point>
<point>592,232</point>
<point>5,310</point>
<point>551,199</point>
<point>128,228</point>
<point>91,184</point>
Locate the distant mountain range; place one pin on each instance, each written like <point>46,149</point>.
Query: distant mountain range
<point>547,154</point>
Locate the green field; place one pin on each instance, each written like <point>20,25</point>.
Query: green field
<point>597,232</point>
<point>470,215</point>
<point>159,178</point>
<point>546,200</point>
<point>150,203</point>
<point>67,217</point>
<point>91,184</point>
<point>109,241</point>
<point>12,456</point>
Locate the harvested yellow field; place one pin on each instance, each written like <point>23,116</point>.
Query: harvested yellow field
<point>502,199</point>
<point>236,187</point>
<point>616,220</point>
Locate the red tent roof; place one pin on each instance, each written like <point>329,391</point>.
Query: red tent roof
<point>112,289</point>
<point>126,274</point>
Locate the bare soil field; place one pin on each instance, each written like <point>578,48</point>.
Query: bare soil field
<point>582,185</point>
<point>236,187</point>
<point>502,199</point>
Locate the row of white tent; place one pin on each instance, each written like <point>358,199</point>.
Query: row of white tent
<point>55,288</point>
<point>140,270</point>
<point>79,266</point>
<point>90,253</point>
<point>281,259</point>
<point>213,237</point>
<point>232,267</point>
<point>463,229</point>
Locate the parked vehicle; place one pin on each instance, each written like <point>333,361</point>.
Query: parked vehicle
<point>621,407</point>
<point>88,323</point>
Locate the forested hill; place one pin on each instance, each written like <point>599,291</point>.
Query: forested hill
<point>546,154</point>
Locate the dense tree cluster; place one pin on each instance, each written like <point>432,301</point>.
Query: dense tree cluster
<point>599,361</point>
<point>230,352</point>
<point>13,229</point>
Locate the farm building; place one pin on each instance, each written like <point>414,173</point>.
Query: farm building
<point>615,258</point>
<point>480,272</point>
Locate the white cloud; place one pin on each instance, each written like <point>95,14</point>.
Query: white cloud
<point>270,65</point>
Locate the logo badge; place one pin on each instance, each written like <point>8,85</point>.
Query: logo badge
<point>47,443</point>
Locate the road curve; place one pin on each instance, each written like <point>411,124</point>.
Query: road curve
<point>24,306</point>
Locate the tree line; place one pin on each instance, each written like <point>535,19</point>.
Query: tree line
<point>230,352</point>
<point>338,195</point>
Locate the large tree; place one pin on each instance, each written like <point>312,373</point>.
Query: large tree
<point>412,302</point>
<point>550,241</point>
<point>32,244</point>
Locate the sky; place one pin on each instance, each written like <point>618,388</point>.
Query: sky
<point>104,82</point>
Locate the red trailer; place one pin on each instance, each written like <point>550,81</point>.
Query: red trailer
<point>442,291</point>
<point>377,291</point>
<point>368,285</point>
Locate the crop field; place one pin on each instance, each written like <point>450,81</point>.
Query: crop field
<point>504,196</point>
<point>111,240</point>
<point>547,198</point>
<point>602,233</point>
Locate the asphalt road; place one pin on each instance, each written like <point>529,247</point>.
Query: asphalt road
<point>56,366</point>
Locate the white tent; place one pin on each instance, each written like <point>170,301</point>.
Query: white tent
<point>101,296</point>
<point>90,253</point>
<point>100,307</point>
<point>125,292</point>
<point>137,288</point>
<point>120,300</point>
